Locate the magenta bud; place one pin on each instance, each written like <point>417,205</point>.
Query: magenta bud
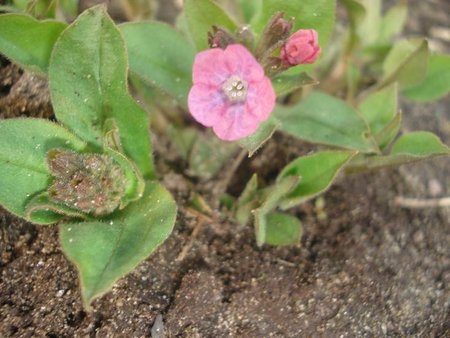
<point>302,47</point>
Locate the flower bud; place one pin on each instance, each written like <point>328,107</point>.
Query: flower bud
<point>278,27</point>
<point>275,33</point>
<point>302,47</point>
<point>91,183</point>
<point>219,38</point>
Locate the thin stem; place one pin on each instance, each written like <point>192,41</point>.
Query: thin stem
<point>223,184</point>
<point>417,203</point>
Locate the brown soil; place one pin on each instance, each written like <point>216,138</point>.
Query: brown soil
<point>369,269</point>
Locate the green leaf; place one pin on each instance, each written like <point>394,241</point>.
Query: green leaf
<point>107,250</point>
<point>24,144</point>
<point>420,144</point>
<point>283,229</point>
<point>88,84</point>
<point>27,41</point>
<point>321,118</point>
<point>317,171</point>
<point>368,29</point>
<point>37,8</point>
<point>68,8</point>
<point>315,14</point>
<point>270,200</point>
<point>42,210</point>
<point>201,15</point>
<point>385,136</point>
<point>285,84</point>
<point>264,132</point>
<point>161,57</point>
<point>409,148</point>
<point>393,22</point>
<point>250,8</point>
<point>406,63</point>
<point>135,182</point>
<point>356,12</point>
<point>437,81</point>
<point>379,108</point>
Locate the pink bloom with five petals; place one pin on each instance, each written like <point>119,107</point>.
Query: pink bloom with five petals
<point>231,94</point>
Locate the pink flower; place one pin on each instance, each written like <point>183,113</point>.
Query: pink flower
<point>302,47</point>
<point>231,94</point>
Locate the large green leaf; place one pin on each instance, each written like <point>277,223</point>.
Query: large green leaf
<point>406,63</point>
<point>107,250</point>
<point>27,41</point>
<point>409,148</point>
<point>315,14</point>
<point>88,84</point>
<point>321,118</point>
<point>201,15</point>
<point>317,172</point>
<point>24,144</point>
<point>161,57</point>
<point>437,81</point>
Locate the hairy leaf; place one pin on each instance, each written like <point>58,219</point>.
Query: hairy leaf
<point>316,14</point>
<point>409,148</point>
<point>27,41</point>
<point>161,57</point>
<point>24,173</point>
<point>283,229</point>
<point>406,63</point>
<point>437,81</point>
<point>317,171</point>
<point>324,119</point>
<point>285,84</point>
<point>108,249</point>
<point>88,84</point>
<point>201,15</point>
<point>264,132</point>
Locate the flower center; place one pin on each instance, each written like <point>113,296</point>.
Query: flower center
<point>235,89</point>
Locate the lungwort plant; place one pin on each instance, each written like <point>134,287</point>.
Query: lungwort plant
<point>266,66</point>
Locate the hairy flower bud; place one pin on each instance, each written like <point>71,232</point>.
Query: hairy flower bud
<point>275,34</point>
<point>91,183</point>
<point>219,38</point>
<point>278,27</point>
<point>302,47</point>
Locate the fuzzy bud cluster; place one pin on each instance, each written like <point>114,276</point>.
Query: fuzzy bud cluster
<point>91,183</point>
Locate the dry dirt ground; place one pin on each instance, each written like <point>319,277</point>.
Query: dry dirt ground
<point>369,269</point>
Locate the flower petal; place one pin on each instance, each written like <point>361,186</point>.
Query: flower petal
<point>210,68</point>
<point>206,104</point>
<point>241,62</point>
<point>236,123</point>
<point>261,98</point>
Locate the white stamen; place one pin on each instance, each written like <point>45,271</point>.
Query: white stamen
<point>235,89</point>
